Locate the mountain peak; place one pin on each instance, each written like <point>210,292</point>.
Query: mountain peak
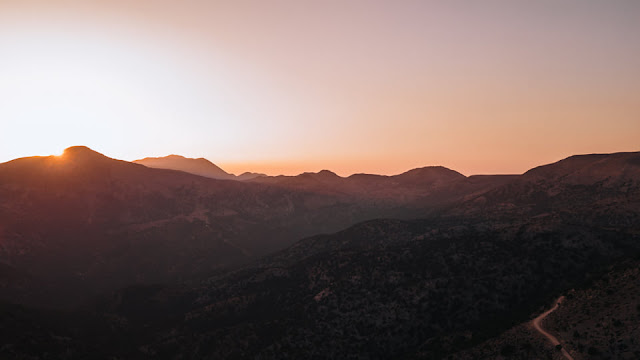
<point>78,149</point>
<point>250,175</point>
<point>327,173</point>
<point>199,166</point>
<point>431,171</point>
<point>322,174</point>
<point>81,153</point>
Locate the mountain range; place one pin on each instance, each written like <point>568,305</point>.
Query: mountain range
<point>113,222</point>
<point>116,258</point>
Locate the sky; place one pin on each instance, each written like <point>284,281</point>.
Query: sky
<point>284,87</point>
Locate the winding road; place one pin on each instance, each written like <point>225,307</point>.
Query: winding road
<point>536,325</point>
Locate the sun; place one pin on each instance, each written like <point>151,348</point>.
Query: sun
<point>91,85</point>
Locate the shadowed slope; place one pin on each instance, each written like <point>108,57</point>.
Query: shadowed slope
<point>585,169</point>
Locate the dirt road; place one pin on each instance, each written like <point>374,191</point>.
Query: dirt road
<point>538,320</point>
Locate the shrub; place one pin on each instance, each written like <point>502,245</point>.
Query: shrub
<point>508,350</point>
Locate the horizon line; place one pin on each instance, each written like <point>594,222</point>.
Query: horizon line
<point>323,169</point>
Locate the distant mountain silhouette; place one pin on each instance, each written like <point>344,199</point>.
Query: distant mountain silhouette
<point>201,166</point>
<point>111,221</point>
<point>248,176</point>
<point>414,193</point>
<point>585,169</point>
<point>415,182</point>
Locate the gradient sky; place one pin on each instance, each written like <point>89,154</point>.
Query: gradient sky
<point>351,86</point>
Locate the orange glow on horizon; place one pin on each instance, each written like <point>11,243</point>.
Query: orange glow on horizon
<point>267,87</point>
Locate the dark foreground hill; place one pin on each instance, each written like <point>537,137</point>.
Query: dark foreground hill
<point>598,320</point>
<point>429,288</point>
